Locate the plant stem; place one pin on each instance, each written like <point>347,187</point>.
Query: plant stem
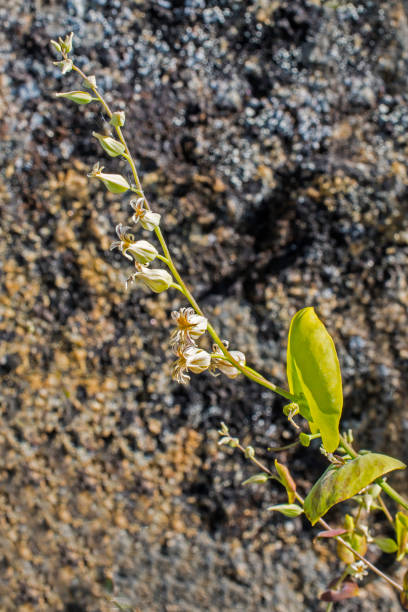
<point>385,510</point>
<point>380,481</point>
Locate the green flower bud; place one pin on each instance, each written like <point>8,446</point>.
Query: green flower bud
<point>289,510</point>
<point>110,145</point>
<point>257,479</point>
<point>249,452</point>
<point>66,45</point>
<point>56,46</point>
<point>80,97</point>
<point>233,443</point>
<point>117,119</point>
<point>64,65</point>
<point>156,280</point>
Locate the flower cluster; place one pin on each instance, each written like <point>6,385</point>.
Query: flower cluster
<point>189,327</point>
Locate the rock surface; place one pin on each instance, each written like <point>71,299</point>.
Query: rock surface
<point>272,137</point>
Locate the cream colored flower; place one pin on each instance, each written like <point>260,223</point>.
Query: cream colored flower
<point>191,359</point>
<point>140,251</point>
<point>190,326</point>
<point>223,365</point>
<point>148,219</point>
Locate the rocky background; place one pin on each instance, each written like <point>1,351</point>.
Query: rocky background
<point>272,136</point>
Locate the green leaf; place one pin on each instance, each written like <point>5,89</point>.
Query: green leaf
<point>340,483</point>
<point>290,510</point>
<point>313,371</point>
<point>387,545</point>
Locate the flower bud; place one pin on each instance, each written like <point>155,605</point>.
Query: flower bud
<point>117,119</point>
<point>260,478</point>
<point>90,82</point>
<point>56,46</point>
<point>289,510</point>
<point>110,145</point>
<point>142,251</point>
<point>66,44</point>
<point>249,452</point>
<point>80,97</point>
<point>64,65</point>
<point>157,280</point>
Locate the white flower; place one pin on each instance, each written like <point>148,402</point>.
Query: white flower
<point>148,219</point>
<point>190,326</point>
<point>223,365</point>
<point>358,569</point>
<point>140,251</point>
<point>191,359</point>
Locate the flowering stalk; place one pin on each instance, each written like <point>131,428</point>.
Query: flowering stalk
<point>168,260</point>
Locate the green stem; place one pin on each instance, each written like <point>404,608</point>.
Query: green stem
<point>380,481</point>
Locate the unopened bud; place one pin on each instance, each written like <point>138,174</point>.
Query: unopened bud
<point>257,479</point>
<point>56,46</point>
<point>64,65</point>
<point>157,280</point>
<point>66,45</point>
<point>117,119</point>
<point>90,82</point>
<point>80,97</point>
<point>233,443</point>
<point>289,510</point>
<point>249,452</point>
<point>110,145</point>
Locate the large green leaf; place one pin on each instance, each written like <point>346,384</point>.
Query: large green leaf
<point>340,483</point>
<point>313,371</point>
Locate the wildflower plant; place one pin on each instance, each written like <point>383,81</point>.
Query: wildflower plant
<point>313,372</point>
